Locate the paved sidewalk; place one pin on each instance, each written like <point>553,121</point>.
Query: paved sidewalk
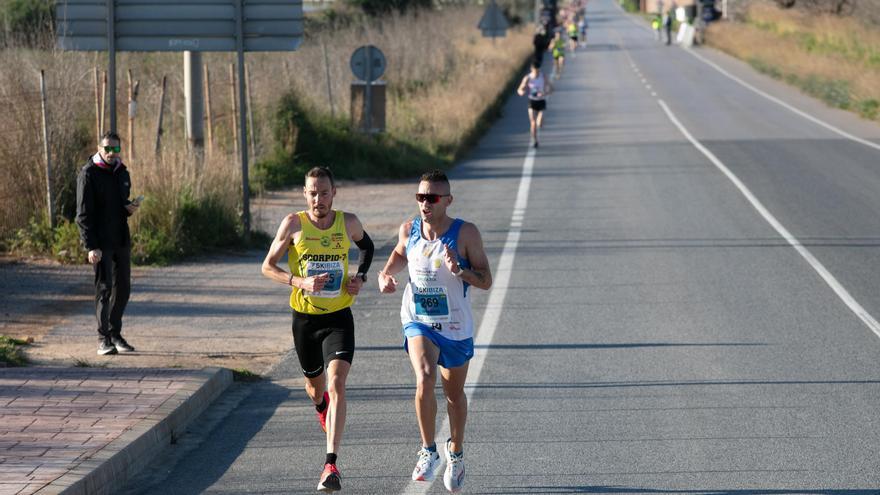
<point>87,430</point>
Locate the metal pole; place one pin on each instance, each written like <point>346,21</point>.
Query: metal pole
<point>724,9</point>
<point>242,136</point>
<point>111,65</point>
<point>368,107</point>
<point>50,203</point>
<point>192,88</point>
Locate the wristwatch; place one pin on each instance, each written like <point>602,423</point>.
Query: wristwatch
<point>362,276</point>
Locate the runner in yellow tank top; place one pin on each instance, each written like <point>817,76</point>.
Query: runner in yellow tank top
<point>317,242</point>
<point>320,251</point>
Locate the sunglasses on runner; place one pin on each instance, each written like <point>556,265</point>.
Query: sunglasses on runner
<point>114,149</point>
<point>429,198</point>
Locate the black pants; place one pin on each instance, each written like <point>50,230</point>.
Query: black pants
<point>112,289</point>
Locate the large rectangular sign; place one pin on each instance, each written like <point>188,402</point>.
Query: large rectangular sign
<point>180,25</point>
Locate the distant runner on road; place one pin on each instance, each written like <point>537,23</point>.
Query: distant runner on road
<point>445,257</point>
<point>317,243</point>
<point>538,87</point>
<point>558,47</point>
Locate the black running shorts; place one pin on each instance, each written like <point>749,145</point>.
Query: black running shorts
<point>538,105</point>
<point>319,339</point>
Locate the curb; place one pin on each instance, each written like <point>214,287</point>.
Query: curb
<point>111,467</point>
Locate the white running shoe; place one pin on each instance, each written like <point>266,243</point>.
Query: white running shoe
<point>453,478</point>
<point>426,467</point>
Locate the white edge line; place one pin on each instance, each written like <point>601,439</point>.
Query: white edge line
<point>492,314</point>
<point>766,95</point>
<point>823,272</point>
<point>781,103</point>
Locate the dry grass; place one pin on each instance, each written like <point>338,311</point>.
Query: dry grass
<point>441,76</point>
<point>837,58</point>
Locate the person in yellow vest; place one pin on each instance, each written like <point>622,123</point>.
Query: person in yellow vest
<point>558,48</point>
<point>572,36</point>
<point>317,243</point>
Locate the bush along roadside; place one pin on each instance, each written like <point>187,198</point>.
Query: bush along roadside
<point>10,351</point>
<point>193,226</point>
<point>307,138</point>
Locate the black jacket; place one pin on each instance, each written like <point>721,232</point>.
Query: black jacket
<point>101,196</point>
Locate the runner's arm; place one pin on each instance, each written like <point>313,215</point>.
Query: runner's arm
<point>397,261</point>
<point>479,274</point>
<point>362,240</point>
<point>521,90</point>
<point>279,246</point>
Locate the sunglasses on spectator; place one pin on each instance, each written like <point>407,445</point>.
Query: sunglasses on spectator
<point>429,198</point>
<point>114,149</point>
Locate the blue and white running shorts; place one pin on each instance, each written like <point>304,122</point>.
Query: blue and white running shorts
<point>453,353</point>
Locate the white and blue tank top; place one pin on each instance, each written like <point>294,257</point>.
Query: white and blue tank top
<point>434,296</point>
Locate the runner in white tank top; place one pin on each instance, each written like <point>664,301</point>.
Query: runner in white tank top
<point>434,296</point>
<point>538,89</point>
<point>446,259</point>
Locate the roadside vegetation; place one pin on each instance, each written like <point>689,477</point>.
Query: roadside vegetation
<point>832,57</point>
<point>11,352</point>
<point>444,85</point>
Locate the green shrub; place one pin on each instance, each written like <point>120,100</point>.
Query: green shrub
<point>630,5</point>
<point>205,223</point>
<point>152,247</point>
<point>36,238</point>
<point>66,246</point>
<point>377,7</point>
<point>28,22</point>
<point>869,109</point>
<point>10,352</point>
<point>306,139</point>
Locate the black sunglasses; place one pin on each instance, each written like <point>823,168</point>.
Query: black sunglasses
<point>429,198</point>
<point>114,149</point>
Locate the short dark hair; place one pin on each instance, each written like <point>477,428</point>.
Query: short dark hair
<point>435,175</point>
<point>318,172</point>
<point>110,136</point>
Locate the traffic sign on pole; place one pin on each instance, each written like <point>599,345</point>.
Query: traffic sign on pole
<point>493,24</point>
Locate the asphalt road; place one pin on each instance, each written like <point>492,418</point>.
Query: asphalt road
<point>657,333</point>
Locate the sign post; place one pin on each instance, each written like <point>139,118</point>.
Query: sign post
<point>182,25</point>
<point>493,23</point>
<point>368,64</point>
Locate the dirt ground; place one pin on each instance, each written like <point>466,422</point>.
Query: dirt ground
<point>217,310</point>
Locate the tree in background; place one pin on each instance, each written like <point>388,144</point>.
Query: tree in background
<point>378,7</point>
<point>27,22</point>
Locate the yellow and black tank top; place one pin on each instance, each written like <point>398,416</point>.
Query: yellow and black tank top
<point>321,251</point>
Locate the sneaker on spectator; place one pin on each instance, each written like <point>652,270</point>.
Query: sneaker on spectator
<point>120,344</point>
<point>105,347</point>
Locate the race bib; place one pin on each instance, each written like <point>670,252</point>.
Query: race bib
<point>336,272</point>
<point>431,304</point>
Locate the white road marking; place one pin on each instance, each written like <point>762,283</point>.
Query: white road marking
<point>823,272</point>
<point>792,108</point>
<point>492,314</point>
<point>783,104</point>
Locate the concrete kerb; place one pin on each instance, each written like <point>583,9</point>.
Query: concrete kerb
<point>108,470</point>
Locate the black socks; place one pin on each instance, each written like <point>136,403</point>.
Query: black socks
<point>323,405</point>
<point>331,459</point>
